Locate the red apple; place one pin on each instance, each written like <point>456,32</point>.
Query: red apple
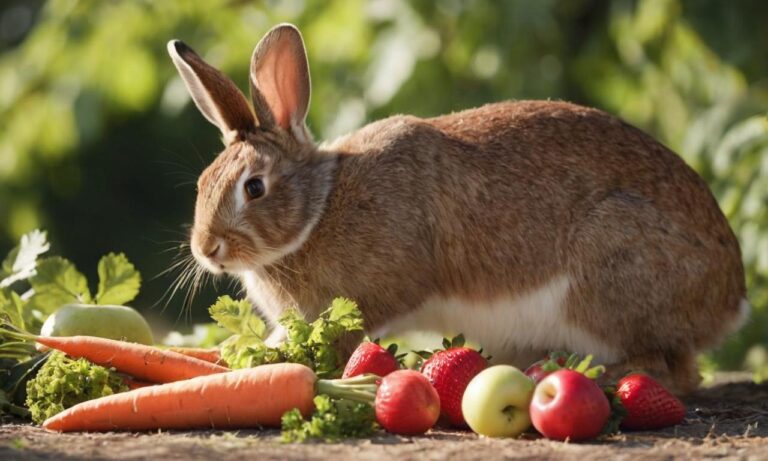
<point>568,405</point>
<point>407,403</point>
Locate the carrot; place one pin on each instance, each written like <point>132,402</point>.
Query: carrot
<point>250,397</point>
<point>134,383</point>
<point>144,362</point>
<point>209,355</point>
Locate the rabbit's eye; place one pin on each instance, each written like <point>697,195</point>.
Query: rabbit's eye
<point>254,187</point>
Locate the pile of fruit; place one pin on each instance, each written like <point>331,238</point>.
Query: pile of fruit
<point>559,395</point>
<point>71,363</point>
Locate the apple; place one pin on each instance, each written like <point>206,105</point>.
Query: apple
<point>406,403</point>
<point>568,405</point>
<point>495,403</point>
<point>112,322</point>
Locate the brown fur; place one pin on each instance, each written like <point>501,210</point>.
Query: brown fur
<point>478,204</point>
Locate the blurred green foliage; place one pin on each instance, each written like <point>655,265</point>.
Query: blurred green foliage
<point>100,145</point>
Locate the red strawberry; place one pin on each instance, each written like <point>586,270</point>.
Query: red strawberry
<point>369,357</point>
<point>648,404</point>
<point>562,360</point>
<point>406,403</point>
<point>450,371</point>
<point>541,369</point>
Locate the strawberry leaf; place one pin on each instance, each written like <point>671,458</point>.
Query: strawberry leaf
<point>584,364</point>
<point>423,354</point>
<point>571,362</point>
<point>594,372</point>
<point>618,412</point>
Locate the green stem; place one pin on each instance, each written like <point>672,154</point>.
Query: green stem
<point>360,388</point>
<point>10,331</point>
<point>15,410</point>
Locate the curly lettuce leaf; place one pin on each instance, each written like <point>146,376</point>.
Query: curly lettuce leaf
<point>333,419</point>
<point>63,382</point>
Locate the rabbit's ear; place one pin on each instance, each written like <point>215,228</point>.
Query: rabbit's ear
<point>217,97</point>
<point>280,85</point>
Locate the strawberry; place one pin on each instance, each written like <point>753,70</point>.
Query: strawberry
<point>370,357</point>
<point>550,363</point>
<point>406,403</point>
<point>563,361</point>
<point>450,371</point>
<point>648,404</point>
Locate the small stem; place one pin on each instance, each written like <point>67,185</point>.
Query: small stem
<point>347,389</point>
<point>368,378</point>
<point>13,332</point>
<point>14,409</point>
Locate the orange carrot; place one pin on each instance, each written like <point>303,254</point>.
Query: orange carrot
<point>209,355</point>
<point>250,397</point>
<point>134,383</point>
<point>146,363</point>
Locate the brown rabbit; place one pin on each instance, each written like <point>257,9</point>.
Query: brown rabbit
<point>529,226</point>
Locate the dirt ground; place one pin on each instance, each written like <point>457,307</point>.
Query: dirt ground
<point>726,421</point>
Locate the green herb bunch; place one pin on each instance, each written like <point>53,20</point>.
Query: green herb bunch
<point>33,287</point>
<point>333,419</point>
<point>312,344</point>
<point>63,382</point>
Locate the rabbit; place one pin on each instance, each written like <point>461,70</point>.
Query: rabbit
<point>529,226</point>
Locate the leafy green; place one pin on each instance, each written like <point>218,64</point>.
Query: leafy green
<point>58,282</point>
<point>313,344</point>
<point>21,261</point>
<point>30,290</point>
<point>245,348</point>
<point>63,382</point>
<point>119,281</point>
<point>237,316</point>
<point>14,378</point>
<point>12,307</point>
<point>333,419</point>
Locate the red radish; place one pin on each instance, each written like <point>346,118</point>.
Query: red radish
<point>648,404</point>
<point>568,405</point>
<point>370,357</point>
<point>406,403</point>
<point>450,372</point>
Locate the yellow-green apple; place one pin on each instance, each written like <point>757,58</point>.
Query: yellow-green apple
<point>495,403</point>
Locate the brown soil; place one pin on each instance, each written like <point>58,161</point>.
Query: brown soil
<point>726,421</point>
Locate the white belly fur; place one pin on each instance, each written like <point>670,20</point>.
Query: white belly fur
<point>514,329</point>
<point>263,295</point>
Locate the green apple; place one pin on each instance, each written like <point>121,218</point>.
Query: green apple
<point>496,402</point>
<point>113,322</point>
